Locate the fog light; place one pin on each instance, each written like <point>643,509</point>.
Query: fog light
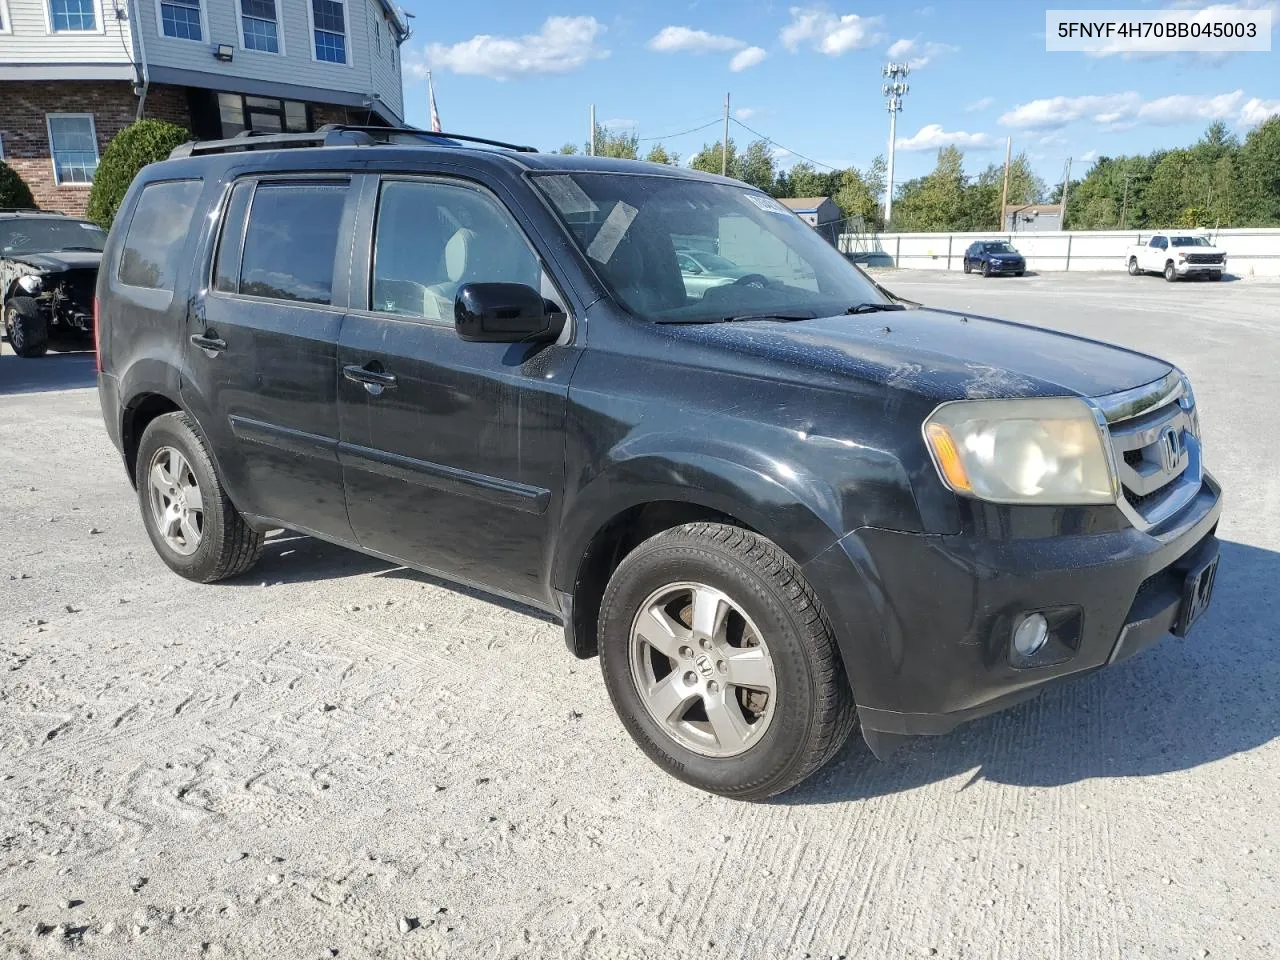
<point>1031,635</point>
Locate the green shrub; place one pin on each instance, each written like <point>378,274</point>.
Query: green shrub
<point>14,191</point>
<point>137,145</point>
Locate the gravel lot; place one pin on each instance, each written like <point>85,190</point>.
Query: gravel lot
<point>335,757</point>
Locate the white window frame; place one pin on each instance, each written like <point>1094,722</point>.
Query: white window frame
<point>279,4</point>
<point>53,159</point>
<point>204,25</point>
<point>100,24</point>
<point>6,28</point>
<point>346,34</point>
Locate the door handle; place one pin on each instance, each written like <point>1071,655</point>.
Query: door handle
<point>374,378</point>
<point>209,342</point>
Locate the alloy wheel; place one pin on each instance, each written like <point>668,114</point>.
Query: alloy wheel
<point>177,505</point>
<point>702,669</point>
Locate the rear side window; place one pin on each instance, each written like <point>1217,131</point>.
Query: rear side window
<point>153,244</point>
<point>290,243</point>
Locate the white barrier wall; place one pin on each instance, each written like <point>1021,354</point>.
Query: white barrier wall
<point>1250,252</point>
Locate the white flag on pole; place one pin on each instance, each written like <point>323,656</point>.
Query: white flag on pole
<point>431,97</point>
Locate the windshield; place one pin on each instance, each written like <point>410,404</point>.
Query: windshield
<point>636,230</point>
<point>1188,241</point>
<point>49,235</point>
<point>1000,248</point>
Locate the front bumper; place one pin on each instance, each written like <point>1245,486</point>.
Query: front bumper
<point>926,635</point>
<point>1195,269</point>
<point>1008,267</point>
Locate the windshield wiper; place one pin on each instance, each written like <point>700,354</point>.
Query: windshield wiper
<point>875,307</point>
<point>785,317</point>
<point>90,249</point>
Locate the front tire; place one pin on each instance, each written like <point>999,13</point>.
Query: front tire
<point>1170,273</point>
<point>721,663</point>
<point>193,525</point>
<point>986,269</point>
<point>27,330</point>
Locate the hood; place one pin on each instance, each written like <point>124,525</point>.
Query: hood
<point>1217,250</point>
<point>939,354</point>
<point>59,260</point>
<point>1004,256</point>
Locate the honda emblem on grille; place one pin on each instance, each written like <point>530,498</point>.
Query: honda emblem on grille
<point>1170,442</point>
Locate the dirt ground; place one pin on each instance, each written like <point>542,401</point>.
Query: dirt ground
<point>334,757</point>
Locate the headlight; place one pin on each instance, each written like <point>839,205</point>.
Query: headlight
<point>31,284</point>
<point>1040,450</point>
<point>1188,403</point>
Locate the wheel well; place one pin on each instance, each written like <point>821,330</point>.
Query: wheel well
<point>612,542</point>
<point>137,416</point>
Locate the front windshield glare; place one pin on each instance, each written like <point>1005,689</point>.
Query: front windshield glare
<point>49,235</point>
<point>645,235</point>
<point>1189,242</point>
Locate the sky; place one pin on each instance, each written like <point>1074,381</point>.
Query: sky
<point>807,76</point>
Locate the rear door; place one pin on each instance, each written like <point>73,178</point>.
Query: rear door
<point>453,452</point>
<point>263,348</point>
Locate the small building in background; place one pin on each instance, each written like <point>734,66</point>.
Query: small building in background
<point>1032,218</point>
<point>815,211</point>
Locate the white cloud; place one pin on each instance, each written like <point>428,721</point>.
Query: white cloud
<point>932,136</point>
<point>746,59</point>
<point>918,54</point>
<point>562,44</point>
<point>688,40</point>
<point>1120,111</point>
<point>1256,111</point>
<point>745,113</point>
<point>1089,156</point>
<point>828,33</point>
<point>981,104</point>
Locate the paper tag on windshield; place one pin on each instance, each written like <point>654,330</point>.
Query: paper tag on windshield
<point>611,232</point>
<point>767,204</point>
<point>88,226</point>
<point>568,197</point>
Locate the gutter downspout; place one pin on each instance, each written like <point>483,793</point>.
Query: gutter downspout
<point>140,48</point>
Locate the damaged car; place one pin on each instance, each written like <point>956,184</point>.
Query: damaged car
<point>48,268</point>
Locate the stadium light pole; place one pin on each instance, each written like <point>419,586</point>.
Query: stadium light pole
<point>894,89</point>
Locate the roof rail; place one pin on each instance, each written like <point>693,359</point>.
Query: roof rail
<point>331,135</point>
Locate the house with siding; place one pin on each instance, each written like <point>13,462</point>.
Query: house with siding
<point>74,72</point>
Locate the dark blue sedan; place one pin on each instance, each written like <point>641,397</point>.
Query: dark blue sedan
<point>993,256</point>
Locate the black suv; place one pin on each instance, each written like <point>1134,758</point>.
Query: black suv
<point>776,508</point>
<point>48,267</point>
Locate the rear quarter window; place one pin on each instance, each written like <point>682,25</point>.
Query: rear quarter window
<point>154,242</point>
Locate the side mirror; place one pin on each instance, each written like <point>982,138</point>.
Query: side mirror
<point>504,313</point>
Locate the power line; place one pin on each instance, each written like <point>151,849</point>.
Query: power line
<point>672,136</point>
<point>794,153</point>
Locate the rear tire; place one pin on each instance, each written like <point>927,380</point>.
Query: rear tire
<point>193,525</point>
<point>1018,273</point>
<point>967,268</point>
<point>1216,276</point>
<point>1133,267</point>
<point>783,719</point>
<point>1170,273</point>
<point>27,330</point>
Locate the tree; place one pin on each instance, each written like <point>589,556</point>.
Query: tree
<point>755,166</point>
<point>708,158</point>
<point>14,191</point>
<point>856,199</point>
<point>140,143</point>
<point>568,150</point>
<point>937,202</point>
<point>615,143</point>
<point>658,154</point>
<point>1259,162</point>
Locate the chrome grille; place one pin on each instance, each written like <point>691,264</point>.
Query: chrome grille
<point>1156,449</point>
<point>1204,258</point>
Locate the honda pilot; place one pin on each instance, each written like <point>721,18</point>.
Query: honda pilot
<point>778,507</point>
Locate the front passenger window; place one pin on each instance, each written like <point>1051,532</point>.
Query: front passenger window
<point>430,238</point>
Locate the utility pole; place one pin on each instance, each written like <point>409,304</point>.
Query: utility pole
<point>1004,191</point>
<point>1062,209</point>
<point>724,144</point>
<point>592,141</point>
<point>894,90</point>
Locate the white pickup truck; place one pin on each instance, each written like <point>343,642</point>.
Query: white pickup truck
<point>1177,255</point>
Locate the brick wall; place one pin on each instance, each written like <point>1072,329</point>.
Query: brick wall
<point>23,106</point>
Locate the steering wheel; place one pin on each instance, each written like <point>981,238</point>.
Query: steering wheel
<point>756,281</point>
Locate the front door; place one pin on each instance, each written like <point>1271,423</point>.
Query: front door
<point>263,349</point>
<point>452,452</point>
